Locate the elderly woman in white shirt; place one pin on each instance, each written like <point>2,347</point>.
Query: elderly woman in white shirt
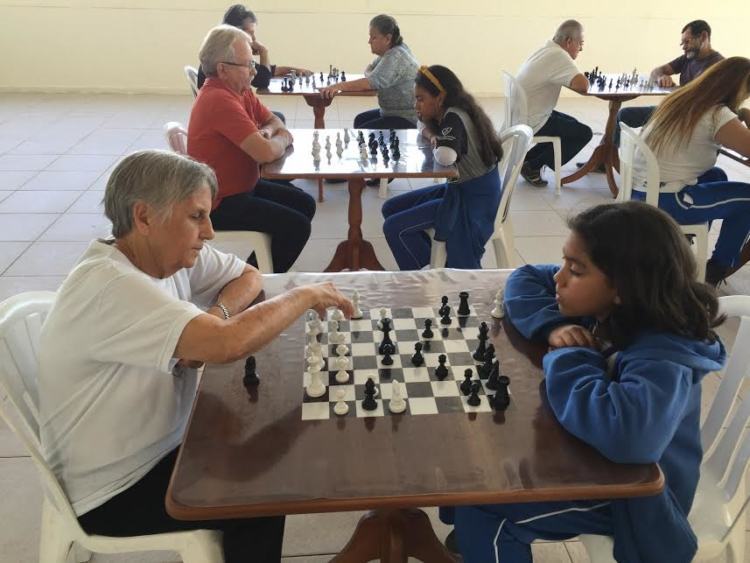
<point>119,350</point>
<point>685,134</point>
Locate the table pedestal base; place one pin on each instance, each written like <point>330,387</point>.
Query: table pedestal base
<point>392,536</point>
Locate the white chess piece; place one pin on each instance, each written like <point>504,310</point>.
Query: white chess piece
<point>334,336</point>
<point>357,314</point>
<point>382,316</point>
<point>314,361</point>
<point>499,311</point>
<point>397,404</point>
<point>315,388</point>
<point>337,315</point>
<point>342,350</point>
<point>340,408</point>
<point>346,136</point>
<point>342,376</point>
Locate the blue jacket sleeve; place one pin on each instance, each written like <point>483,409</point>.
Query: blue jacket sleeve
<point>631,420</point>
<point>530,302</point>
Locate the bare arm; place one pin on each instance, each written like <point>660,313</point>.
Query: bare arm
<point>284,70</point>
<point>239,293</point>
<point>271,126</point>
<point>349,86</point>
<point>736,136</point>
<point>262,51</point>
<point>662,75</point>
<point>579,84</point>
<point>262,149</point>
<point>207,338</point>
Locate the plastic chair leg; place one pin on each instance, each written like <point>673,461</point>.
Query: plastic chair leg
<point>736,545</point>
<point>79,554</point>
<point>54,544</point>
<point>557,151</point>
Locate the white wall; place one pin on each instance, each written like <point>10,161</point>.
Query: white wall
<point>142,45</point>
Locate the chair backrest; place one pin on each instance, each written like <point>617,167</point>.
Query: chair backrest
<point>515,102</point>
<point>516,143</point>
<point>176,136</point>
<point>191,73</point>
<point>21,319</point>
<point>631,144</point>
<point>727,453</point>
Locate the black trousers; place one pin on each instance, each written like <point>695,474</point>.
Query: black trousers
<point>573,134</point>
<point>282,210</point>
<point>140,511</point>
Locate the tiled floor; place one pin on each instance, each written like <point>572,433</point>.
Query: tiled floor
<point>56,152</point>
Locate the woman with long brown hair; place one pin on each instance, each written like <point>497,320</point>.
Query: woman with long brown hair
<point>685,134</point>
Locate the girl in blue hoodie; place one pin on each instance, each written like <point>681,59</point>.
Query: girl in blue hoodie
<point>631,335</point>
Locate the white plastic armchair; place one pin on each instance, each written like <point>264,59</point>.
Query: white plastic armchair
<point>191,73</point>
<point>516,113</point>
<point>718,512</point>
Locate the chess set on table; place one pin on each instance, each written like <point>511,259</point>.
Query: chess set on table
<point>410,360</point>
<point>312,81</point>
<point>624,83</point>
<point>389,153</point>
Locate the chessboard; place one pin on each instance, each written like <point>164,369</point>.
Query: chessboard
<point>624,83</point>
<point>422,390</point>
<point>311,84</point>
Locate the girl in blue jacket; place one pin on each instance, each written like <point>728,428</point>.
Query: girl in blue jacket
<point>631,335</point>
<point>462,212</point>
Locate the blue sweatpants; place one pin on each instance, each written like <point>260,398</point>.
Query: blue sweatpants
<point>406,218</point>
<point>504,532</point>
<point>713,197</point>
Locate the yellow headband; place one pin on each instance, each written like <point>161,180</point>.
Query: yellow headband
<point>432,78</point>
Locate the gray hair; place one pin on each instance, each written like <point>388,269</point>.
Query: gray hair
<point>158,178</point>
<point>218,47</point>
<point>569,29</point>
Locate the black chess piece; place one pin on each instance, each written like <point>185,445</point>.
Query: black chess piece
<point>369,403</point>
<point>445,319</point>
<point>493,380</point>
<point>427,332</point>
<point>466,383</point>
<point>321,77</point>
<point>474,399</point>
<point>443,305</point>
<point>501,399</point>
<point>489,355</point>
<point>463,306</point>
<point>387,360</point>
<point>396,154</point>
<point>385,324</point>
<point>388,349</point>
<point>387,342</point>
<point>441,372</point>
<point>251,376</point>
<point>417,359</point>
<point>343,76</point>
<point>482,347</point>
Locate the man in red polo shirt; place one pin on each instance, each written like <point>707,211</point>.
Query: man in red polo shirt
<point>233,132</point>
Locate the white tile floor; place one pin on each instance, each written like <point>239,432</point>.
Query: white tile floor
<point>56,153</point>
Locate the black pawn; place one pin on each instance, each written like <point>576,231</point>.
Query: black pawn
<point>445,318</point>
<point>417,359</point>
<point>443,306</point>
<point>369,403</point>
<point>251,377</point>
<point>463,306</point>
<point>343,76</point>
<point>441,372</point>
<point>427,333</point>
<point>474,399</point>
<point>387,360</point>
<point>466,383</point>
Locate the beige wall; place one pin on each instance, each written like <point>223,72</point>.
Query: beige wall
<point>142,45</point>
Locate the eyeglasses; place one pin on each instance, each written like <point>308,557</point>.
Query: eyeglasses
<point>250,65</point>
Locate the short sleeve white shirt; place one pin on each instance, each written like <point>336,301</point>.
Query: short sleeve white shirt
<point>112,401</point>
<point>542,76</point>
<point>681,166</point>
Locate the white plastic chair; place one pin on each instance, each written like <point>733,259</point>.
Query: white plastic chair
<point>516,142</point>
<point>191,73</point>
<point>516,113</point>
<point>717,515</point>
<point>630,142</point>
<point>234,242</point>
<point>62,538</point>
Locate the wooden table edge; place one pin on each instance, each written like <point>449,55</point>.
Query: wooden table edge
<point>182,511</point>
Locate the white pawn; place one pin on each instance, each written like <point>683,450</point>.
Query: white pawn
<point>340,408</point>
<point>382,316</point>
<point>499,311</point>
<point>357,314</point>
<point>334,336</point>
<point>342,376</point>
<point>342,350</point>
<point>337,315</point>
<point>397,404</point>
<point>315,388</point>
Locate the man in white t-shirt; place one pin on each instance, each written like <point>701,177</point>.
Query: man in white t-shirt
<point>542,77</point>
<point>119,350</point>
